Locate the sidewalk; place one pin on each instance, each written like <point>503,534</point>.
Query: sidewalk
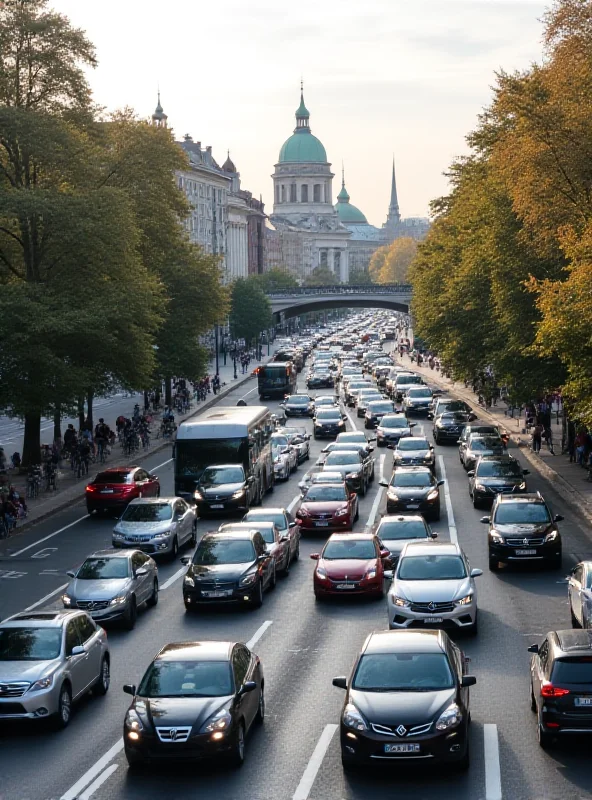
<point>71,489</point>
<point>568,479</point>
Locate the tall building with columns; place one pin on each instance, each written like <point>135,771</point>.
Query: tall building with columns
<point>303,206</point>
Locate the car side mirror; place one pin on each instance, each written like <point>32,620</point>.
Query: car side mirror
<point>372,439</point>
<point>370,449</point>
<point>248,686</point>
<point>471,473</point>
<point>353,494</point>
<point>344,416</point>
<point>412,424</point>
<point>434,535</point>
<point>284,538</point>
<point>129,688</point>
<point>340,683</point>
<point>441,482</point>
<point>186,560</point>
<point>485,520</point>
<point>430,415</point>
<point>292,524</point>
<point>468,680</point>
<point>140,572</point>
<point>534,648</point>
<point>251,479</point>
<point>558,518</point>
<point>78,650</point>
<point>526,472</point>
<point>388,574</point>
<point>383,483</point>
<point>385,553</point>
<point>71,574</point>
<point>264,556</point>
<point>476,572</point>
<point>315,556</point>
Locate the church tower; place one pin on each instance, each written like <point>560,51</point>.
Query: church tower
<point>159,118</point>
<point>393,220</point>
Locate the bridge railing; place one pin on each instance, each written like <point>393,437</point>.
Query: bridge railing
<point>373,288</point>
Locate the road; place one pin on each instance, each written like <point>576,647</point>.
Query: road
<point>302,645</point>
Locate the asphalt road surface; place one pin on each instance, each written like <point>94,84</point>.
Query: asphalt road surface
<point>295,755</point>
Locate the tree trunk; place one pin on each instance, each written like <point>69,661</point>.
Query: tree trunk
<point>32,440</point>
<point>146,400</point>
<point>89,403</point>
<point>168,392</point>
<point>80,413</point>
<point>57,422</point>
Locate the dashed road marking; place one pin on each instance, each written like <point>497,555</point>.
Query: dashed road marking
<point>313,766</point>
<point>493,776</point>
<point>449,512</point>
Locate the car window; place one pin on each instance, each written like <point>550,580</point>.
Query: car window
<point>578,573</point>
<point>187,679</point>
<point>86,628</point>
<point>30,644</point>
<point>572,670</point>
<point>431,568</point>
<point>268,533</point>
<point>521,514</point>
<point>147,512</point>
<point>140,476</point>
<point>262,516</point>
<point>217,550</point>
<point>544,656</point>
<point>240,666</point>
<point>419,392</point>
<point>137,561</point>
<point>114,477</point>
<point>394,422</point>
<point>495,469</point>
<point>72,637</point>
<point>384,672</point>
<point>349,548</point>
<point>412,479</point>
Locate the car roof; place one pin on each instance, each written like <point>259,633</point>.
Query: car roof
<point>248,527</point>
<point>574,640</point>
<point>405,468</point>
<point>504,458</point>
<point>224,466</point>
<point>149,501</point>
<point>431,548</point>
<point>266,510</point>
<point>118,470</point>
<point>405,642</point>
<point>352,536</point>
<point>112,553</point>
<point>246,533</point>
<point>402,518</point>
<point>40,619</point>
<point>327,477</point>
<point>192,651</point>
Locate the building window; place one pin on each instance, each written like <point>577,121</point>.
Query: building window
<point>219,195</point>
<point>292,192</point>
<point>277,193</point>
<point>304,193</point>
<point>283,193</point>
<point>323,256</point>
<point>201,190</point>
<point>317,193</point>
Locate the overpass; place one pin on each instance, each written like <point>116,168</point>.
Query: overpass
<point>292,302</point>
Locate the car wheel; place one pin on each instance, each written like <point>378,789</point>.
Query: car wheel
<point>101,687</point>
<point>307,456</point>
<point>476,503</point>
<point>158,492</point>
<point>286,569</point>
<point>436,515</point>
<point>474,629</point>
<point>436,439</point>
<point>493,564</point>
<point>258,599</point>
<point>153,599</point>
<point>318,598</point>
<point>380,444</point>
<point>174,549</point>
<point>193,539</point>
<point>545,738</point>
<point>363,489</point>
<point>261,706</point>
<point>64,712</point>
<point>129,621</point>
<point>347,762</point>
<point>238,748</point>
<point>357,514</point>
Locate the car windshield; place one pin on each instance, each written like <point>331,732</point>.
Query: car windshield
<point>419,393</point>
<point>452,405</point>
<point>263,516</point>
<point>402,529</point>
<point>403,672</point>
<point>431,568</point>
<point>30,644</point>
<point>325,494</point>
<point>394,422</point>
<point>493,469</point>
<point>328,413</point>
<point>337,550</point>
<point>212,551</point>
<point>384,405</point>
<point>454,416</point>
<point>297,400</point>
<point>411,479</point>
<point>572,670</point>
<point>279,441</point>
<point>147,512</point>
<point>484,444</point>
<point>220,475</point>
<point>103,568</point>
<point>521,514</point>
<point>187,679</point>
<point>411,443</point>
<point>336,458</point>
<point>403,380</point>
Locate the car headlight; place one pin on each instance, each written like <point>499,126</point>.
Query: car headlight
<point>550,537</point>
<point>248,579</point>
<point>465,601</point>
<point>354,475</point>
<point>429,457</point>
<point>66,600</point>
<point>371,574</point>
<point>220,721</point>
<point>322,573</point>
<point>392,496</point>
<point>238,495</point>
<point>118,600</point>
<point>163,535</point>
<point>449,718</point>
<point>342,512</point>
<point>44,683</point>
<point>188,581</point>
<point>117,535</point>
<point>399,601</point>
<point>495,537</point>
<point>353,719</point>
<point>433,495</point>
<point>197,495</point>
<point>132,721</point>
<point>522,486</point>
<point>480,487</point>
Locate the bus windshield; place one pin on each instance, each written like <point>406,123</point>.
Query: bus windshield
<point>194,455</point>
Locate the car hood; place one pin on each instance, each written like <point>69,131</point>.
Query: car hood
<point>100,589</point>
<point>428,591</point>
<point>394,431</point>
<point>323,507</point>
<point>14,671</point>
<point>143,527</point>
<point>515,481</point>
<point>526,529</point>
<point>401,708</point>
<point>220,489</point>
<point>403,454</point>
<point>169,712</point>
<point>220,571</point>
<point>405,492</point>
<point>352,568</point>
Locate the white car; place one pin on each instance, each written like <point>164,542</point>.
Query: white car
<point>579,592</point>
<point>285,456</point>
<point>433,586</point>
<point>299,439</point>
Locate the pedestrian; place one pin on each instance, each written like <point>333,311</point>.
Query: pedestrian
<point>571,441</point>
<point>537,435</point>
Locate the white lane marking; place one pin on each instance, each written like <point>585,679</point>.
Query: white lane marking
<point>47,596</point>
<point>50,536</point>
<point>258,634</point>
<point>92,773</point>
<point>99,782</point>
<point>351,422</point>
<point>381,470</point>
<point>378,498</point>
<point>293,503</point>
<point>313,766</point>
<point>449,512</point>
<point>158,466</point>
<point>250,391</point>
<point>493,777</point>
<point>178,574</point>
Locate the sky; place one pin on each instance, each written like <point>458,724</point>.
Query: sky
<point>381,77</point>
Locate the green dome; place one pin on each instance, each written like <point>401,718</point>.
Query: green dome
<point>347,213</point>
<point>303,147</point>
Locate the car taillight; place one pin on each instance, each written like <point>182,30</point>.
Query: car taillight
<point>548,690</point>
<point>91,488</point>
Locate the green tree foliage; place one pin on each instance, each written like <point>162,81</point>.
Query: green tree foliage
<point>359,276</point>
<point>275,280</point>
<point>321,276</point>
<point>250,310</point>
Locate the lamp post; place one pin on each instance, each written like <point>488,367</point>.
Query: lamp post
<point>217,345</point>
<point>234,362</point>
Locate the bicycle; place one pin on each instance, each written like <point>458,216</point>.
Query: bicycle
<point>33,483</point>
<point>101,451</point>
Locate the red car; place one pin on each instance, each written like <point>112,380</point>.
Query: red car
<point>113,489</point>
<point>328,505</point>
<point>351,563</point>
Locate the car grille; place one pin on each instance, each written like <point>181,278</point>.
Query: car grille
<point>16,689</point>
<point>321,516</point>
<point>208,586</point>
<point>11,708</point>
<point>344,582</point>
<point>138,538</point>
<point>401,731</point>
<point>173,735</point>
<point>525,542</point>
<point>92,605</point>
<point>432,608</point>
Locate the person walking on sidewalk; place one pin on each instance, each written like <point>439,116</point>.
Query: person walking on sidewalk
<point>537,435</point>
<point>571,441</point>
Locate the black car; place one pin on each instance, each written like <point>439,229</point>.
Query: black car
<point>561,685</point>
<point>375,411</point>
<point>523,529</point>
<point>320,380</point>
<point>223,488</point>
<point>327,423</point>
<point>495,475</point>
<point>229,568</point>
<point>413,489</point>
<point>298,405</point>
<point>391,428</point>
<point>414,451</point>
<point>197,700</point>
<point>449,426</point>
<point>407,700</point>
<point>394,531</point>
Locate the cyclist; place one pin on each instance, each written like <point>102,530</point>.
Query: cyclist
<point>102,436</point>
<point>83,454</point>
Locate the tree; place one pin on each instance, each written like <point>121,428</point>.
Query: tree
<point>321,276</point>
<point>275,280</point>
<point>359,276</point>
<point>389,264</point>
<point>250,310</point>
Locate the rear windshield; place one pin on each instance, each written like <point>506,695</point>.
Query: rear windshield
<point>573,670</point>
<point>298,400</point>
<point>113,477</point>
<point>148,512</point>
<point>419,392</point>
<point>263,516</point>
<point>403,379</point>
<point>321,494</point>
<point>521,514</point>
<point>384,405</point>
<point>411,443</point>
<point>411,479</point>
<point>402,529</point>
<point>484,444</point>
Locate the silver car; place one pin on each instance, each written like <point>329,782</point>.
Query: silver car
<point>49,659</point>
<point>159,526</point>
<point>112,584</point>
<point>579,592</point>
<point>285,523</point>
<point>433,586</point>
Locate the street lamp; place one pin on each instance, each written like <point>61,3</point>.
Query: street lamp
<point>234,362</point>
<point>217,346</point>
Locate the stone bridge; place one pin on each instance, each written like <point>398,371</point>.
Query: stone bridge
<point>292,302</point>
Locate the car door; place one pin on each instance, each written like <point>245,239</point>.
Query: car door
<point>182,522</point>
<point>243,667</point>
<point>91,641</point>
<point>539,668</point>
<point>141,482</point>
<point>77,664</point>
<point>142,585</point>
<point>267,566</point>
<point>575,585</point>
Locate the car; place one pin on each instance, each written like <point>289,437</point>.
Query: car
<point>325,400</point>
<point>354,467</point>
<point>228,568</point>
<point>403,382</point>
<point>300,439</point>
<point>579,593</point>
<point>328,422</point>
<point>560,680</point>
<point>353,437</point>
<point>158,526</point>
<point>298,405</point>
<point>476,427</point>
<point>414,451</point>
<point>312,478</point>
<point>352,387</point>
<point>284,522</point>
<point>49,660</point>
<point>196,701</point>
<point>449,425</point>
<point>330,506</point>
<point>407,699</point>
<point>365,449</point>
<point>278,544</point>
<point>433,586</point>
<point>285,455</point>
<point>112,584</point>
<point>224,488</point>
<point>320,380</point>
<point>523,529</point>
<point>375,411</point>
<point>391,428</point>
<point>443,404</point>
<point>112,489</point>
<point>417,400</point>
<point>366,396</point>
<point>495,475</point>
<point>478,446</point>
<point>352,564</point>
<point>394,531</point>
<point>413,489</point>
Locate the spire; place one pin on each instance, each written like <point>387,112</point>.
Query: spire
<point>302,114</point>
<point>228,165</point>
<point>343,196</point>
<point>393,213</point>
<point>159,118</point>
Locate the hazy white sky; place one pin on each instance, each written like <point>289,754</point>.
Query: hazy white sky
<point>380,76</point>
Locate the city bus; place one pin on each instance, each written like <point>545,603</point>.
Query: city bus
<point>235,435</point>
<point>276,379</point>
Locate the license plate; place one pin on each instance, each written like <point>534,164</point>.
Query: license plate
<point>344,586</point>
<point>433,619</point>
<point>322,524</point>
<point>412,505</point>
<point>107,491</point>
<point>526,552</point>
<point>217,505</point>
<point>218,593</point>
<point>583,701</point>
<point>401,748</point>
